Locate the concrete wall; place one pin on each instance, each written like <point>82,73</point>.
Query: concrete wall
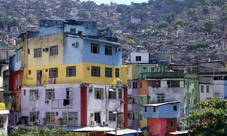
<point>144,57</point>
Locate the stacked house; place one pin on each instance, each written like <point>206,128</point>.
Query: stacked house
<point>68,73</point>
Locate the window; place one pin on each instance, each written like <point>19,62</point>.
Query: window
<point>37,52</point>
<point>119,94</point>
<point>95,71</point>
<point>132,100</point>
<point>134,85</point>
<point>2,122</point>
<point>97,117</point>
<point>68,93</point>
<point>95,48</point>
<point>208,89</point>
<point>50,117</point>
<point>108,72</point>
<point>112,116</point>
<point>53,50</point>
<point>53,72</point>
<point>72,30</point>
<point>112,94</point>
<point>33,116</point>
<point>160,98</point>
<point>116,72</point>
<point>72,119</point>
<point>174,108</point>
<point>154,109</point>
<point>50,94</point>
<point>98,93</point>
<point>202,89</point>
<point>195,101</point>
<point>108,50</point>
<point>34,94</point>
<point>80,32</point>
<point>141,85</point>
<point>145,109</point>
<point>172,123</point>
<point>130,115</point>
<point>28,51</point>
<point>71,71</point>
<point>29,72</point>
<point>138,58</point>
<point>135,116</point>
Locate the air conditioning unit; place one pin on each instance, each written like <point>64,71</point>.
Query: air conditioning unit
<point>45,49</point>
<point>93,123</point>
<point>75,44</point>
<point>117,49</point>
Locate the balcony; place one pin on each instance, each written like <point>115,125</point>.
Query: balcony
<point>160,75</point>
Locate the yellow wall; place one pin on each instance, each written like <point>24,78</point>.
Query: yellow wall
<point>143,123</point>
<point>83,74</point>
<point>132,71</point>
<point>42,42</point>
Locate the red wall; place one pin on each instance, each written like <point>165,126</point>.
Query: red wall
<point>17,75</point>
<point>126,107</point>
<point>83,106</point>
<point>160,126</point>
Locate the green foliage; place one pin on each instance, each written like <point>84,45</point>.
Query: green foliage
<point>205,10</point>
<point>191,11</point>
<point>197,45</point>
<point>33,131</point>
<point>171,41</point>
<point>208,122</point>
<point>215,30</point>
<point>127,41</point>
<point>83,14</point>
<point>199,28</point>
<point>181,22</point>
<point>170,17</point>
<point>209,24</point>
<point>162,24</point>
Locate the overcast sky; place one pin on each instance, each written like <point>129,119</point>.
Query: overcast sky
<point>128,2</point>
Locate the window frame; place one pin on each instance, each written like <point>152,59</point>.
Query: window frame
<point>97,119</point>
<point>112,94</point>
<point>95,48</point>
<point>160,98</point>
<point>112,116</point>
<point>53,72</point>
<point>95,71</point>
<point>33,116</point>
<point>207,89</point>
<point>53,50</point>
<point>134,85</point>
<point>72,30</point>
<point>120,95</point>
<point>34,92</point>
<point>70,71</point>
<point>108,50</point>
<point>51,118</point>
<point>37,52</point>
<point>98,96</point>
<point>50,92</point>
<point>117,72</point>
<point>108,72</point>
<point>202,89</point>
<point>138,58</point>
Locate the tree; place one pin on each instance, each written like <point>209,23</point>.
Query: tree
<point>212,121</point>
<point>209,24</point>
<point>83,14</point>
<point>170,17</point>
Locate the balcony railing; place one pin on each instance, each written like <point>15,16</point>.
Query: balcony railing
<point>161,75</point>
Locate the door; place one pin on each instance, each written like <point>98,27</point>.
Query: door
<point>39,77</point>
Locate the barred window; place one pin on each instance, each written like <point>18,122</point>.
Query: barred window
<point>53,50</point>
<point>71,71</point>
<point>37,52</point>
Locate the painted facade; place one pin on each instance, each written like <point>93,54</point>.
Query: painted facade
<point>71,78</point>
<point>133,93</point>
<point>161,117</point>
<point>192,96</point>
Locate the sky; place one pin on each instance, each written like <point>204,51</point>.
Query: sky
<point>128,2</point>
